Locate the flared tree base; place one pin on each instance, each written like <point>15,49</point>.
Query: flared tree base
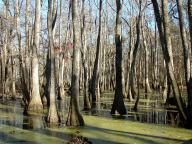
<point>118,105</point>
<point>74,118</point>
<point>53,116</point>
<point>35,106</point>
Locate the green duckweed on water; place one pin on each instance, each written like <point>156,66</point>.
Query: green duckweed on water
<point>104,130</point>
<point>98,130</point>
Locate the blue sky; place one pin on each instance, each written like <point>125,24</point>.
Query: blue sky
<point>94,4</point>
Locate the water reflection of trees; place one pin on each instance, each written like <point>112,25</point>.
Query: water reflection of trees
<point>31,121</point>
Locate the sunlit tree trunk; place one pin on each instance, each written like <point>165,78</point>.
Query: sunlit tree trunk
<point>165,83</point>
<point>13,78</point>
<point>135,51</point>
<point>118,102</point>
<point>84,53</point>
<point>4,51</point>
<point>53,116</point>
<point>11,50</point>
<point>35,103</point>
<point>27,46</point>
<point>25,67</point>
<point>13,75</point>
<point>104,49</point>
<point>47,80</point>
<point>155,61</point>
<point>166,52</point>
<point>147,86</point>
<point>61,91</point>
<point>129,62</point>
<point>74,116</point>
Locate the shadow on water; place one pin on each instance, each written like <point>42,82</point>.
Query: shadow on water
<point>188,142</point>
<point>7,138</point>
<point>134,135</point>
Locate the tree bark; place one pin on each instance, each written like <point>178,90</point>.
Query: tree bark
<point>53,116</point>
<point>23,65</point>
<point>4,53</point>
<point>95,74</point>
<point>61,91</point>
<point>186,57</point>
<point>35,103</point>
<point>129,59</point>
<point>74,116</point>
<point>147,86</point>
<point>166,53</point>
<point>87,104</point>
<point>118,102</point>
<point>190,31</point>
<point>135,51</point>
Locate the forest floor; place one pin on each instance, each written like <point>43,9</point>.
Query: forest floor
<point>15,128</point>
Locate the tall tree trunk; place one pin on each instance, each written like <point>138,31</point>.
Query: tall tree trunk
<point>165,83</point>
<point>35,103</point>
<point>138,85</point>
<point>53,116</point>
<point>130,59</point>
<point>190,31</point>
<point>95,74</point>
<point>186,57</point>
<point>48,59</point>
<point>74,116</point>
<point>25,66</point>
<point>13,76</point>
<point>118,102</point>
<point>168,43</point>
<point>87,104</point>
<point>23,63</point>
<point>61,91</point>
<point>190,20</point>
<point>105,47</point>
<point>147,86</point>
<point>4,51</point>
<point>155,61</point>
<point>135,51</point>
<point>166,53</point>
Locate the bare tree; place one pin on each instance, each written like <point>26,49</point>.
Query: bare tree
<point>132,82</point>
<point>166,51</point>
<point>147,86</point>
<point>186,56</point>
<point>95,75</point>
<point>35,103</point>
<point>53,116</point>
<point>74,116</point>
<point>61,91</point>
<point>118,103</point>
<point>4,53</point>
<point>84,58</point>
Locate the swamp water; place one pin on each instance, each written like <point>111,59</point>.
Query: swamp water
<point>151,124</point>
